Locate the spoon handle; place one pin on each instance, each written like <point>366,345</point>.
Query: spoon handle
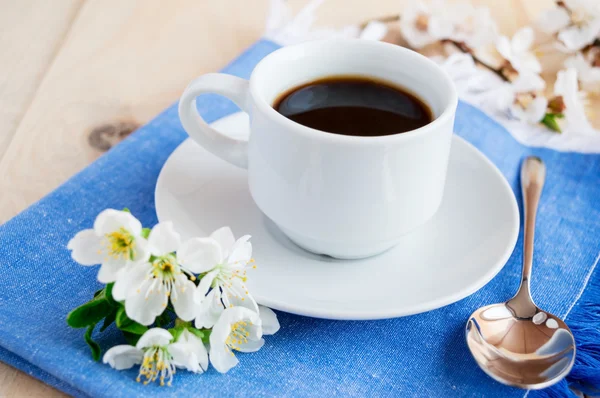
<point>533,175</point>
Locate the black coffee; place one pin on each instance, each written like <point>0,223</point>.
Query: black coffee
<point>354,106</point>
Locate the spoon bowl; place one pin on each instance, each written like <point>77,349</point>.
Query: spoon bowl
<point>528,353</point>
<point>517,343</point>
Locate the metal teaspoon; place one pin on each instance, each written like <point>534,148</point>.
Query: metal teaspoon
<point>516,343</point>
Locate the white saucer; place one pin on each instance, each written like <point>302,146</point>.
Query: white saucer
<point>461,249</point>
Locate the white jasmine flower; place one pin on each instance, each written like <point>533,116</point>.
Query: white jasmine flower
<point>189,352</point>
<point>147,286</point>
<point>517,51</point>
<point>425,23</point>
<point>589,75</point>
<point>566,89</point>
<point>469,79</point>
<point>459,66</point>
<point>114,242</point>
<point>268,319</point>
<point>577,23</point>
<point>159,357</point>
<point>523,98</point>
<point>237,329</point>
<point>553,20</point>
<point>529,108</point>
<point>286,28</point>
<point>577,37</point>
<point>375,30</point>
<point>224,261</point>
<point>473,26</point>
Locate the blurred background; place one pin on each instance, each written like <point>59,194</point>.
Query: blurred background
<point>77,76</point>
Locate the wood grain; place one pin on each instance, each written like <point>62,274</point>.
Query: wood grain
<point>122,61</point>
<point>102,67</point>
<point>31,32</point>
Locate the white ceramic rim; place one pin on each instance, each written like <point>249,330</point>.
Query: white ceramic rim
<point>267,108</point>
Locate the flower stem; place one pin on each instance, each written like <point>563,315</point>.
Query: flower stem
<point>465,49</point>
<point>459,45</point>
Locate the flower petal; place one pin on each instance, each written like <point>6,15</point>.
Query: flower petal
<point>440,27</point>
<point>527,82</point>
<point>588,75</point>
<point>208,310</point>
<point>522,40</point>
<point>200,254</point>
<point>270,324</point>
<point>222,328</point>
<point>109,270</point>
<point>154,337</point>
<point>503,97</point>
<point>484,31</point>
<point>163,239</point>
<point>144,305</point>
<point>255,330</point>
<point>415,37</point>
<point>251,345</point>
<point>241,252</point>
<point>239,296</point>
<point>222,358</point>
<point>190,345</point>
<point>412,33</point>
<point>551,21</point>
<point>528,63</point>
<point>129,280</point>
<point>86,248</point>
<point>503,47</point>
<point>141,250</point>
<point>111,220</point>
<point>225,238</point>
<point>533,113</point>
<point>205,284</point>
<point>123,357</point>
<point>459,66</point>
<point>575,38</point>
<point>567,85</point>
<point>183,358</point>
<point>183,301</point>
<point>537,109</point>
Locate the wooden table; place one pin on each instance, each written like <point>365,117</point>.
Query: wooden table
<point>77,75</point>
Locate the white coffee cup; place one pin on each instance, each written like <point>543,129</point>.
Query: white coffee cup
<point>343,196</point>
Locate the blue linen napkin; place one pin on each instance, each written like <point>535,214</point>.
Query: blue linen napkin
<point>423,355</point>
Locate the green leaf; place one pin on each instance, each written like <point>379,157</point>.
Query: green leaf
<point>163,319</point>
<point>126,209</point>
<point>98,292</point>
<point>110,318</point>
<point>108,295</point>
<point>180,322</point>
<point>122,319</point>
<point>89,313</point>
<point>146,232</point>
<point>206,335</point>
<point>550,121</point>
<point>134,328</point>
<point>176,332</point>
<point>96,351</point>
<point>198,333</point>
<point>128,325</point>
<point>131,338</point>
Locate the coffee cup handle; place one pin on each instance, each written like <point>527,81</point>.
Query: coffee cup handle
<point>229,149</point>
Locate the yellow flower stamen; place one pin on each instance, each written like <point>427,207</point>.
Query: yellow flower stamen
<point>120,244</point>
<point>239,334</point>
